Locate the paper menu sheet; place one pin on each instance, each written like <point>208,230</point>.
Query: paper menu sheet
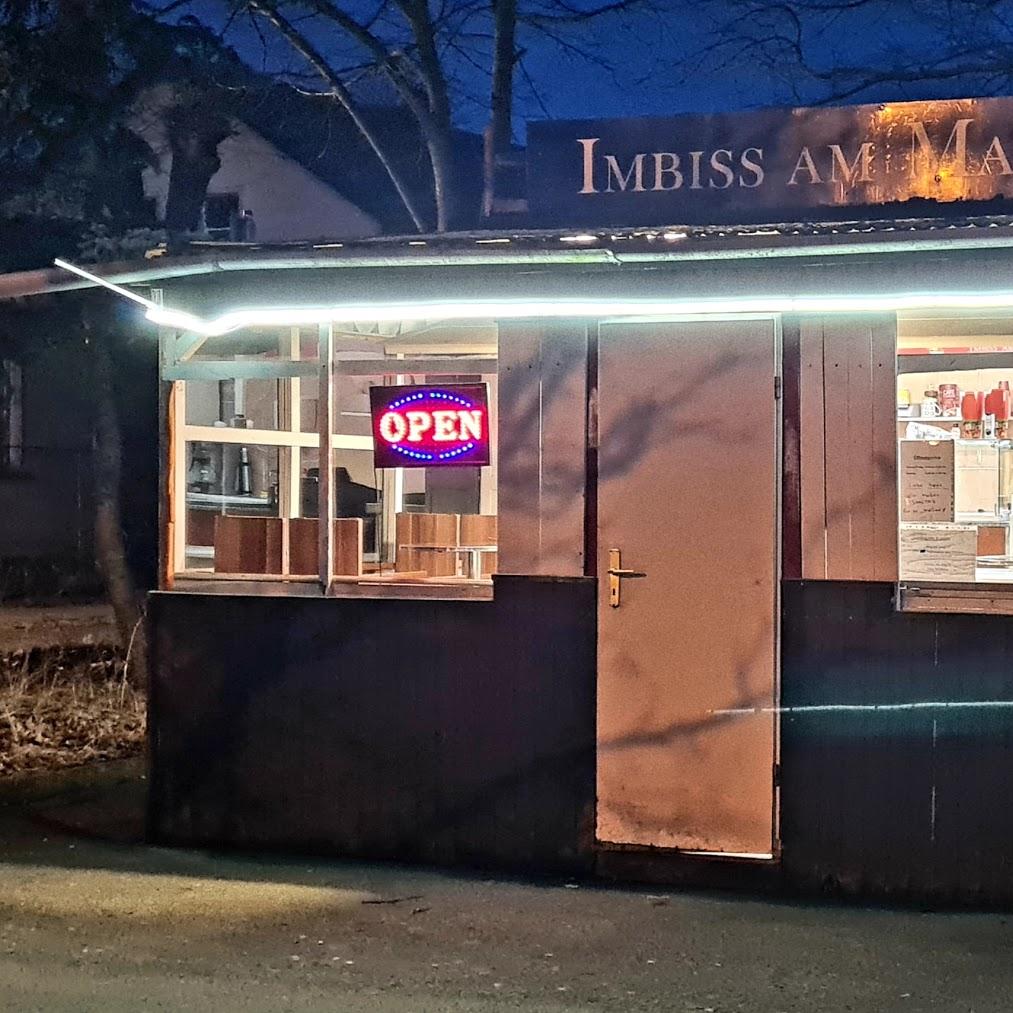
<point>926,480</point>
<point>944,552</point>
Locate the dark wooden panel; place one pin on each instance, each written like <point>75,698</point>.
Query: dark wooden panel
<point>885,799</point>
<point>200,527</point>
<point>543,407</point>
<point>791,475</point>
<point>247,544</point>
<point>435,730</point>
<point>847,438</point>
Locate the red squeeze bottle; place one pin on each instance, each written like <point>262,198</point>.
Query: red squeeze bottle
<point>971,409</point>
<point>1000,402</point>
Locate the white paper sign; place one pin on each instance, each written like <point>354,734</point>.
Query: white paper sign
<point>926,480</point>
<point>944,552</point>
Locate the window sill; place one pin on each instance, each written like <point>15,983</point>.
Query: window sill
<point>253,585</point>
<point>965,599</point>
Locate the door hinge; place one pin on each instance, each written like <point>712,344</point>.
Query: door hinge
<point>777,388</point>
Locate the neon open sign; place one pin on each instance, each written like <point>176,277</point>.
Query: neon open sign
<point>430,425</point>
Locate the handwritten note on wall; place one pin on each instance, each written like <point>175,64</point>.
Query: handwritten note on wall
<point>944,552</point>
<point>926,480</point>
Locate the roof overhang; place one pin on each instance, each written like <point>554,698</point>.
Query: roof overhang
<point>614,253</point>
<point>615,247</point>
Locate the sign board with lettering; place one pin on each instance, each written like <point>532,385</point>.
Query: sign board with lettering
<point>926,480</point>
<point>943,552</point>
<point>430,425</point>
<point>767,165</point>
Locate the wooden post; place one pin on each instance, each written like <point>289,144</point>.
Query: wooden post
<point>325,528</point>
<point>289,458</point>
<point>166,467</point>
<point>392,499</point>
<point>172,464</point>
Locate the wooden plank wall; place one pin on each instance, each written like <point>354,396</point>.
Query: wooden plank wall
<point>542,433</point>
<point>847,447</point>
<point>423,730</point>
<point>878,799</point>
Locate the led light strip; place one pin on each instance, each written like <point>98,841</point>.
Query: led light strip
<point>513,309</point>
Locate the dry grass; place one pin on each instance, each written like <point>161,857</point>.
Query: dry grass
<point>61,707</point>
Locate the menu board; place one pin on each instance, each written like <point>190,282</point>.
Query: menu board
<point>944,552</point>
<point>926,480</point>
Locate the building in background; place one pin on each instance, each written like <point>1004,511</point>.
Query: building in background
<point>311,180</point>
<point>287,201</point>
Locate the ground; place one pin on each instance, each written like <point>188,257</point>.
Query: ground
<point>66,697</point>
<point>92,919</point>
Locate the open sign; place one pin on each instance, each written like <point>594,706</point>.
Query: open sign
<point>430,425</point>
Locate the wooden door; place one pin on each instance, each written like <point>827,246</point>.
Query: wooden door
<point>688,495</point>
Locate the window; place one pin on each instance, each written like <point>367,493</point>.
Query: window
<point>220,211</point>
<point>955,453</point>
<point>250,477</point>
<point>11,416</point>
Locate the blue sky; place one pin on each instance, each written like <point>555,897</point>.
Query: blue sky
<point>654,66</point>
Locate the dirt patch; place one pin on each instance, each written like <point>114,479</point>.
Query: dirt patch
<point>61,707</point>
<point>23,628</point>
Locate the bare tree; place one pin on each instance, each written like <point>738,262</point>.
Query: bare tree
<point>428,56</point>
<point>840,50</point>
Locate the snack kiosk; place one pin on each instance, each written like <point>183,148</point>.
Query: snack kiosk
<point>659,551</point>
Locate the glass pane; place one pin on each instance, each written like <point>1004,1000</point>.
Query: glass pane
<point>440,522</point>
<point>954,449</point>
<point>265,344</point>
<point>309,387</point>
<point>241,403</point>
<point>357,493</point>
<point>351,390</point>
<point>232,508</point>
<point>253,510</point>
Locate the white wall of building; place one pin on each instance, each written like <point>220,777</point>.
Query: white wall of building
<point>288,203</point>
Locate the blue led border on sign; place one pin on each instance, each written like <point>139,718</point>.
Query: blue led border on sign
<point>421,455</point>
<point>425,395</point>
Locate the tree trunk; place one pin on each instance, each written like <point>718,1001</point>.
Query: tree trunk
<point>110,546</point>
<point>194,135</point>
<point>500,134</point>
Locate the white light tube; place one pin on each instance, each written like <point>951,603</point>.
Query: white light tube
<point>175,318</point>
<point>562,308</point>
<point>512,309</point>
<point>95,279</point>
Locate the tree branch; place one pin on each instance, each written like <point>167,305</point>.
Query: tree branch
<point>305,48</point>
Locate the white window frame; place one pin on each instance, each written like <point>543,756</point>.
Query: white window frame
<point>177,367</point>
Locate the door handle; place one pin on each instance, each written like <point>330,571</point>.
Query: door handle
<point>616,573</point>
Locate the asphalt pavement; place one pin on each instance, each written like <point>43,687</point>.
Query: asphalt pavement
<point>93,919</point>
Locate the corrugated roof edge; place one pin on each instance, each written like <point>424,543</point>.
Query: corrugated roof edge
<point>556,246</point>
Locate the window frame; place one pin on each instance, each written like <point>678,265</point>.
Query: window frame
<point>177,368</point>
<point>961,597</point>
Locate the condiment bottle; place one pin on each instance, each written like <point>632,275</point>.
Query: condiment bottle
<point>971,410</point>
<point>1001,407</point>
